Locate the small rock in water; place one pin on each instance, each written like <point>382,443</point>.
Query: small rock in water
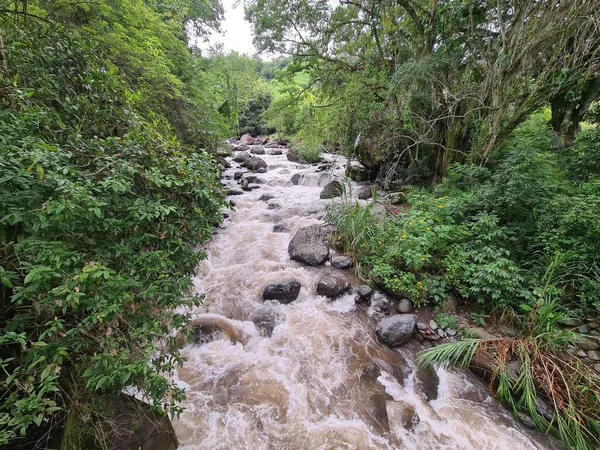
<point>279,228</point>
<point>433,325</point>
<point>255,163</point>
<point>593,355</point>
<point>266,197</point>
<point>273,206</point>
<point>266,318</point>
<point>422,326</point>
<point>257,150</point>
<point>274,151</point>
<point>296,179</point>
<point>332,286</point>
<point>404,306</point>
<point>238,175</point>
<point>262,170</point>
<point>292,156</point>
<point>396,330</point>
<point>340,262</point>
<point>241,157</point>
<point>284,291</point>
<point>234,192</point>
<point>583,329</point>
<point>332,189</point>
<point>255,179</point>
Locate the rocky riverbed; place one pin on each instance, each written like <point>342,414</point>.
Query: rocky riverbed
<point>291,356</point>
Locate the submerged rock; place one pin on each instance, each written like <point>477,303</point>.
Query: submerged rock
<point>266,318</point>
<point>332,286</point>
<point>396,330</point>
<point>310,245</point>
<point>284,291</point>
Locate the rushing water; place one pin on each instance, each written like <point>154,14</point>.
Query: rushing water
<point>321,381</point>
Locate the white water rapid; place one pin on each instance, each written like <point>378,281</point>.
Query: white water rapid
<point>321,381</point>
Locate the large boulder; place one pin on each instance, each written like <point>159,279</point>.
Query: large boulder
<point>332,189</point>
<point>255,163</point>
<point>247,140</point>
<point>257,150</point>
<point>284,291</point>
<point>266,318</point>
<point>292,156</point>
<point>241,157</point>
<point>332,286</point>
<point>310,245</point>
<point>396,330</point>
<point>242,148</point>
<point>366,152</point>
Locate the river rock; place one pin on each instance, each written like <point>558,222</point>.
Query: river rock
<point>266,197</point>
<point>271,145</point>
<point>262,170</point>
<point>274,151</point>
<point>365,291</point>
<point>365,193</point>
<point>310,245</point>
<point>586,343</point>
<point>332,286</point>
<point>246,139</point>
<point>266,318</point>
<point>241,148</point>
<point>422,326</point>
<point>451,332</point>
<point>341,262</point>
<point>332,189</point>
<point>234,192</point>
<point>396,330</point>
<point>433,325</point>
<point>257,150</point>
<point>593,355</point>
<point>223,152</point>
<point>261,139</point>
<point>292,156</point>
<point>255,179</point>
<point>241,157</point>
<point>255,163</point>
<point>238,175</point>
<point>583,329</point>
<point>381,303</point>
<point>284,291</point>
<point>404,306</point>
<point>280,228</point>
<point>296,179</point>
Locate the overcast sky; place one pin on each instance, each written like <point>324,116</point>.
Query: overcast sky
<point>236,34</point>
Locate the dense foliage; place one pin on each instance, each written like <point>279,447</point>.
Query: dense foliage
<point>105,194</point>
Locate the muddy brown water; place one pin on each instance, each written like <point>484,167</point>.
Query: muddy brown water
<point>321,381</point>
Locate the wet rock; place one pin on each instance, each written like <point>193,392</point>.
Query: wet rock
<point>593,355</point>
<point>332,189</point>
<point>404,306</point>
<point>257,150</point>
<point>234,192</point>
<point>310,245</point>
<point>583,329</point>
<point>365,193</point>
<point>296,179</point>
<point>381,303</point>
<point>586,343</point>
<point>262,170</point>
<point>272,145</point>
<point>266,197</point>
<point>246,139</point>
<point>433,325</point>
<point>360,173</point>
<point>274,151</point>
<point>292,156</point>
<point>246,186</point>
<point>570,322</point>
<point>332,286</point>
<point>402,413</point>
<point>266,318</point>
<point>255,163</point>
<point>238,175</point>
<point>396,330</point>
<point>255,179</point>
<point>341,262</point>
<point>241,157</point>
<point>279,228</point>
<point>273,206</point>
<point>365,291</point>
<point>429,382</point>
<point>450,304</point>
<point>241,148</point>
<point>285,291</point>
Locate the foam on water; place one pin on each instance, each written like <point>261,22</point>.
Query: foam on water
<point>321,381</point>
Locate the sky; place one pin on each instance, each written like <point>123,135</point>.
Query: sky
<point>236,32</point>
